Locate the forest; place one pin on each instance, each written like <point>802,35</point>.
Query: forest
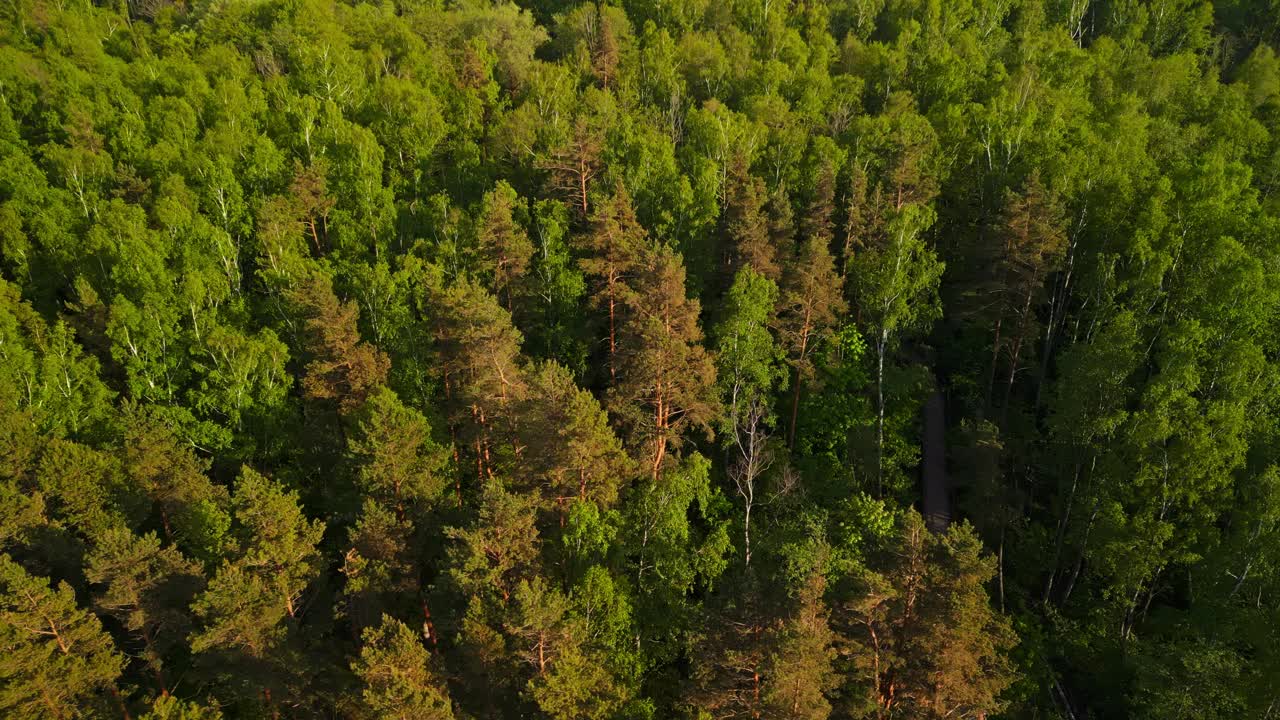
<point>640,359</point>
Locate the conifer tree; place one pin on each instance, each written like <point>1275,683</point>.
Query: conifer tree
<point>275,559</point>
<point>925,639</point>
<point>800,664</point>
<point>568,444</point>
<point>810,305</point>
<point>491,558</point>
<point>567,682</point>
<point>343,369</point>
<point>400,466</point>
<point>168,707</point>
<point>504,244</point>
<point>173,478</point>
<point>381,573</point>
<point>729,679</point>
<point>482,369</point>
<point>148,589</point>
<point>1034,242</point>
<point>666,379</point>
<point>616,244</point>
<point>747,223</point>
<point>400,677</point>
<point>574,164</point>
<point>56,661</point>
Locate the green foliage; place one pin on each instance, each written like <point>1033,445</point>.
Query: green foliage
<point>400,464</point>
<point>397,672</point>
<point>442,271</point>
<point>58,661</point>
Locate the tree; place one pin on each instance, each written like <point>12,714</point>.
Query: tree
<point>504,244</point>
<point>730,654</point>
<point>482,369</point>
<point>168,707</point>
<point>148,589</point>
<point>46,370</point>
<point>57,660</point>
<point>382,575</point>
<point>275,559</point>
<point>342,368</point>
<point>491,558</point>
<point>747,223</point>
<point>569,448</point>
<point>676,539</point>
<point>1034,242</point>
<point>567,682</point>
<point>896,281</point>
<point>666,377</point>
<point>810,304</point>
<point>192,509</point>
<point>310,200</point>
<point>800,663</point>
<point>749,369</point>
<point>575,162</point>
<point>616,243</point>
<point>399,464</point>
<point>926,641</point>
<point>400,678</point>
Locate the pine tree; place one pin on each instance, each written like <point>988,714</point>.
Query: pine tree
<point>401,680</point>
<point>1034,243</point>
<point>504,244</point>
<point>148,589</point>
<point>275,560</point>
<point>730,654</point>
<point>782,229</point>
<point>569,449</point>
<point>567,682</point>
<point>483,371</point>
<point>400,466</point>
<point>168,707</point>
<point>925,639</point>
<point>490,558</point>
<point>616,244</point>
<point>864,218</point>
<point>173,478</point>
<point>747,223</point>
<point>605,54</point>
<point>343,369</point>
<point>800,663</point>
<point>575,163</point>
<point>819,218</point>
<point>810,305</point>
<point>381,573</point>
<point>310,200</point>
<point>250,606</point>
<point>56,661</point>
<point>666,379</point>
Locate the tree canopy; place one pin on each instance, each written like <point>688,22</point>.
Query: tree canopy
<point>633,360</point>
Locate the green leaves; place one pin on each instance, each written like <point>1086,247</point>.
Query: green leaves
<point>400,466</point>
<point>399,676</point>
<point>57,659</point>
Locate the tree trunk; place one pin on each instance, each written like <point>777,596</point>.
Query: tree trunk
<point>1059,536</point>
<point>995,357</point>
<point>881,342</point>
<point>795,412</point>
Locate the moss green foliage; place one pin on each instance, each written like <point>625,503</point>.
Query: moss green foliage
<point>591,361</point>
